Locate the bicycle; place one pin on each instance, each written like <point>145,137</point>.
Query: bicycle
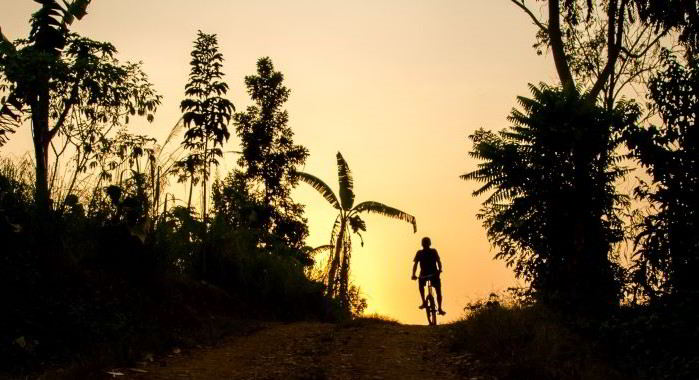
<point>430,308</point>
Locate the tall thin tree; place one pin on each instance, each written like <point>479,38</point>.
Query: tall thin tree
<point>206,113</point>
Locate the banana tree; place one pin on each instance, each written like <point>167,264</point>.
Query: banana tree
<point>29,73</point>
<point>348,221</point>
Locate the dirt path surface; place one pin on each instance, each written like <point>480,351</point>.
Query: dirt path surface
<point>359,350</point>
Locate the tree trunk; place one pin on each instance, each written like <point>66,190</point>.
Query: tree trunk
<point>205,239</point>
<point>191,188</point>
<point>344,278</point>
<point>336,258</point>
<point>41,139</point>
<point>591,280</point>
<point>203,201</point>
<point>557,46</point>
<point>205,177</point>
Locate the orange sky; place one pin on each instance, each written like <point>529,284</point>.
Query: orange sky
<point>395,85</point>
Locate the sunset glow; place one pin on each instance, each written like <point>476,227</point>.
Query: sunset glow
<point>395,85</point>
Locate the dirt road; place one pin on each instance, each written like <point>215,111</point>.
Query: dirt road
<point>358,350</point>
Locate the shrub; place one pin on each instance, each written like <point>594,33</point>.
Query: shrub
<point>515,341</point>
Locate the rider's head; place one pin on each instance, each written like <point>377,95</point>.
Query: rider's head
<point>426,242</point>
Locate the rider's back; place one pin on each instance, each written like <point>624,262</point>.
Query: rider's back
<point>427,257</point>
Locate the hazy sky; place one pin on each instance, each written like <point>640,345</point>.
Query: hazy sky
<point>395,85</point>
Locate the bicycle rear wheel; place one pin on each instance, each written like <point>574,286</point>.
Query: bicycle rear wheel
<point>431,310</point>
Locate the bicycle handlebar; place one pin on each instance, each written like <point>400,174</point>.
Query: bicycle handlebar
<point>428,276</point>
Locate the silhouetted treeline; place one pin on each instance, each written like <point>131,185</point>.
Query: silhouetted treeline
<point>613,263</point>
<point>555,210</point>
<point>101,260</point>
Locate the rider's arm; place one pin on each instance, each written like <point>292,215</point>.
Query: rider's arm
<point>414,269</point>
<point>439,263</point>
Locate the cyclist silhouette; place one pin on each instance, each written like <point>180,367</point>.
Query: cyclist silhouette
<point>430,265</point>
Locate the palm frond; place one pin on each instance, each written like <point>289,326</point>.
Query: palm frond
<point>382,209</point>
<point>322,188</point>
<point>320,249</point>
<point>346,183</point>
<point>319,270</point>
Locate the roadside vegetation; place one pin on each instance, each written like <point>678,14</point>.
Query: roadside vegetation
<point>103,262</point>
<point>611,275</point>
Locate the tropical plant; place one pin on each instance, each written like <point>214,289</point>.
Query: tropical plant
<point>54,73</point>
<point>348,221</point>
<point>269,158</point>
<point>206,114</point>
<point>553,206</point>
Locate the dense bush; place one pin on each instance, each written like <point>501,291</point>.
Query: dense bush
<point>511,339</point>
<point>520,341</point>
<point>103,283</point>
<point>653,341</point>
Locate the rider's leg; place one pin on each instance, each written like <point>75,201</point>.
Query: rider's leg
<point>421,286</point>
<point>438,289</point>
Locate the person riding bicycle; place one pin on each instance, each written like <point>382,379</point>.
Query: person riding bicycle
<point>430,268</point>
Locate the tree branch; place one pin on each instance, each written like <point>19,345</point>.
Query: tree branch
<point>615,34</point>
<point>648,47</point>
<point>557,47</point>
<point>526,10</point>
<point>71,101</point>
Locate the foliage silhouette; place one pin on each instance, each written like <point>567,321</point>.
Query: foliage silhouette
<point>667,239</point>
<point>114,273</point>
<point>511,340</point>
<point>206,114</point>
<point>269,158</point>
<point>348,221</point>
<point>131,289</point>
<point>600,45</point>
<point>510,337</point>
<point>680,15</point>
<point>552,211</point>
<point>54,71</point>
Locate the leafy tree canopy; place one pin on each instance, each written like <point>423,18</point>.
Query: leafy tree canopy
<point>667,239</point>
<point>58,78</point>
<point>552,204</point>
<point>269,158</point>
<point>680,15</point>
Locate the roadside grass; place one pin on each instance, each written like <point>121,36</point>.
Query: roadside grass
<point>376,317</point>
<point>515,339</point>
<point>365,320</point>
<point>512,341</point>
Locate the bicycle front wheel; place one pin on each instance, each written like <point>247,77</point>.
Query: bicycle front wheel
<point>431,310</point>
